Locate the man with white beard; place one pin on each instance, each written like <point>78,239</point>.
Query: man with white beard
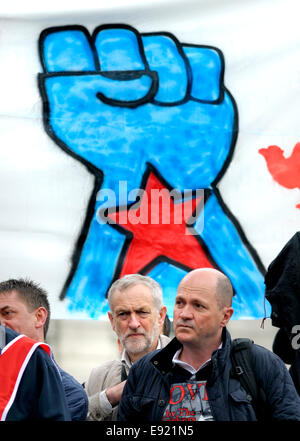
<point>137,316</point>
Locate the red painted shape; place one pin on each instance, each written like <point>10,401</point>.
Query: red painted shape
<point>285,171</point>
<point>161,230</point>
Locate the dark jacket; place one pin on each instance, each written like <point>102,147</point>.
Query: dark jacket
<point>147,390</point>
<point>282,282</point>
<point>76,396</point>
<point>40,395</point>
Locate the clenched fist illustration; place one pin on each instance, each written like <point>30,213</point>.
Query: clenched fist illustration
<point>123,103</point>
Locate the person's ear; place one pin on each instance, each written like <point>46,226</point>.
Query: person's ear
<point>227,314</point>
<point>162,315</point>
<point>111,319</point>
<point>41,315</point>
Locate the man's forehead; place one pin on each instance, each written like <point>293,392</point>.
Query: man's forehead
<point>10,295</point>
<point>133,297</point>
<point>198,281</point>
<point>136,306</point>
<point>187,291</point>
<point>10,299</point>
<point>195,291</point>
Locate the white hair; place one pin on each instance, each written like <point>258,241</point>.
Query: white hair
<point>137,279</point>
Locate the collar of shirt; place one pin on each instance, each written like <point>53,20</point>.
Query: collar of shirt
<point>125,357</point>
<point>187,366</point>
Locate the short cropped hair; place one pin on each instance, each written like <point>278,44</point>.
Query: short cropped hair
<point>224,291</point>
<point>31,293</point>
<point>137,279</point>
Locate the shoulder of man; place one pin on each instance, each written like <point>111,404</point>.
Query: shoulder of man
<point>274,377</point>
<point>39,352</point>
<point>76,396</point>
<point>145,359</point>
<point>107,374</point>
<point>42,382</point>
<point>263,353</point>
<point>149,361</point>
<point>267,363</point>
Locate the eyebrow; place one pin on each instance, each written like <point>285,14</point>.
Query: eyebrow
<point>3,308</point>
<point>191,299</point>
<point>137,309</point>
<point>179,296</point>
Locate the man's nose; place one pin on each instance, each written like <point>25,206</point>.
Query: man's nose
<point>133,321</point>
<point>186,313</point>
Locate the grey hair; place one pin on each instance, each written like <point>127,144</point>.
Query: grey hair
<point>137,279</point>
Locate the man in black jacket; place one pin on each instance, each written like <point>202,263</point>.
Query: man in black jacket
<point>191,379</point>
<point>30,387</point>
<point>282,282</point>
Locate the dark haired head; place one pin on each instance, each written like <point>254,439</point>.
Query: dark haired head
<point>31,293</point>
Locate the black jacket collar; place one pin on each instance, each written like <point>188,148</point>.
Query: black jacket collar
<point>162,359</point>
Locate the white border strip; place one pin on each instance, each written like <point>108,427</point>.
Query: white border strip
<point>11,343</point>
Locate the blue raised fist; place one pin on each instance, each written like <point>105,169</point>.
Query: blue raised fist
<point>121,102</point>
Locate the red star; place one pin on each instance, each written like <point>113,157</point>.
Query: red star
<point>159,231</point>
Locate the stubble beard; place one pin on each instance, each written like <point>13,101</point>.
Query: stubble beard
<point>142,344</point>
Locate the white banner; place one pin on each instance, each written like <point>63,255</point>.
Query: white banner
<point>151,137</point>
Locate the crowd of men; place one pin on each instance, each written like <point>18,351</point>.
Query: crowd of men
<point>156,378</point>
